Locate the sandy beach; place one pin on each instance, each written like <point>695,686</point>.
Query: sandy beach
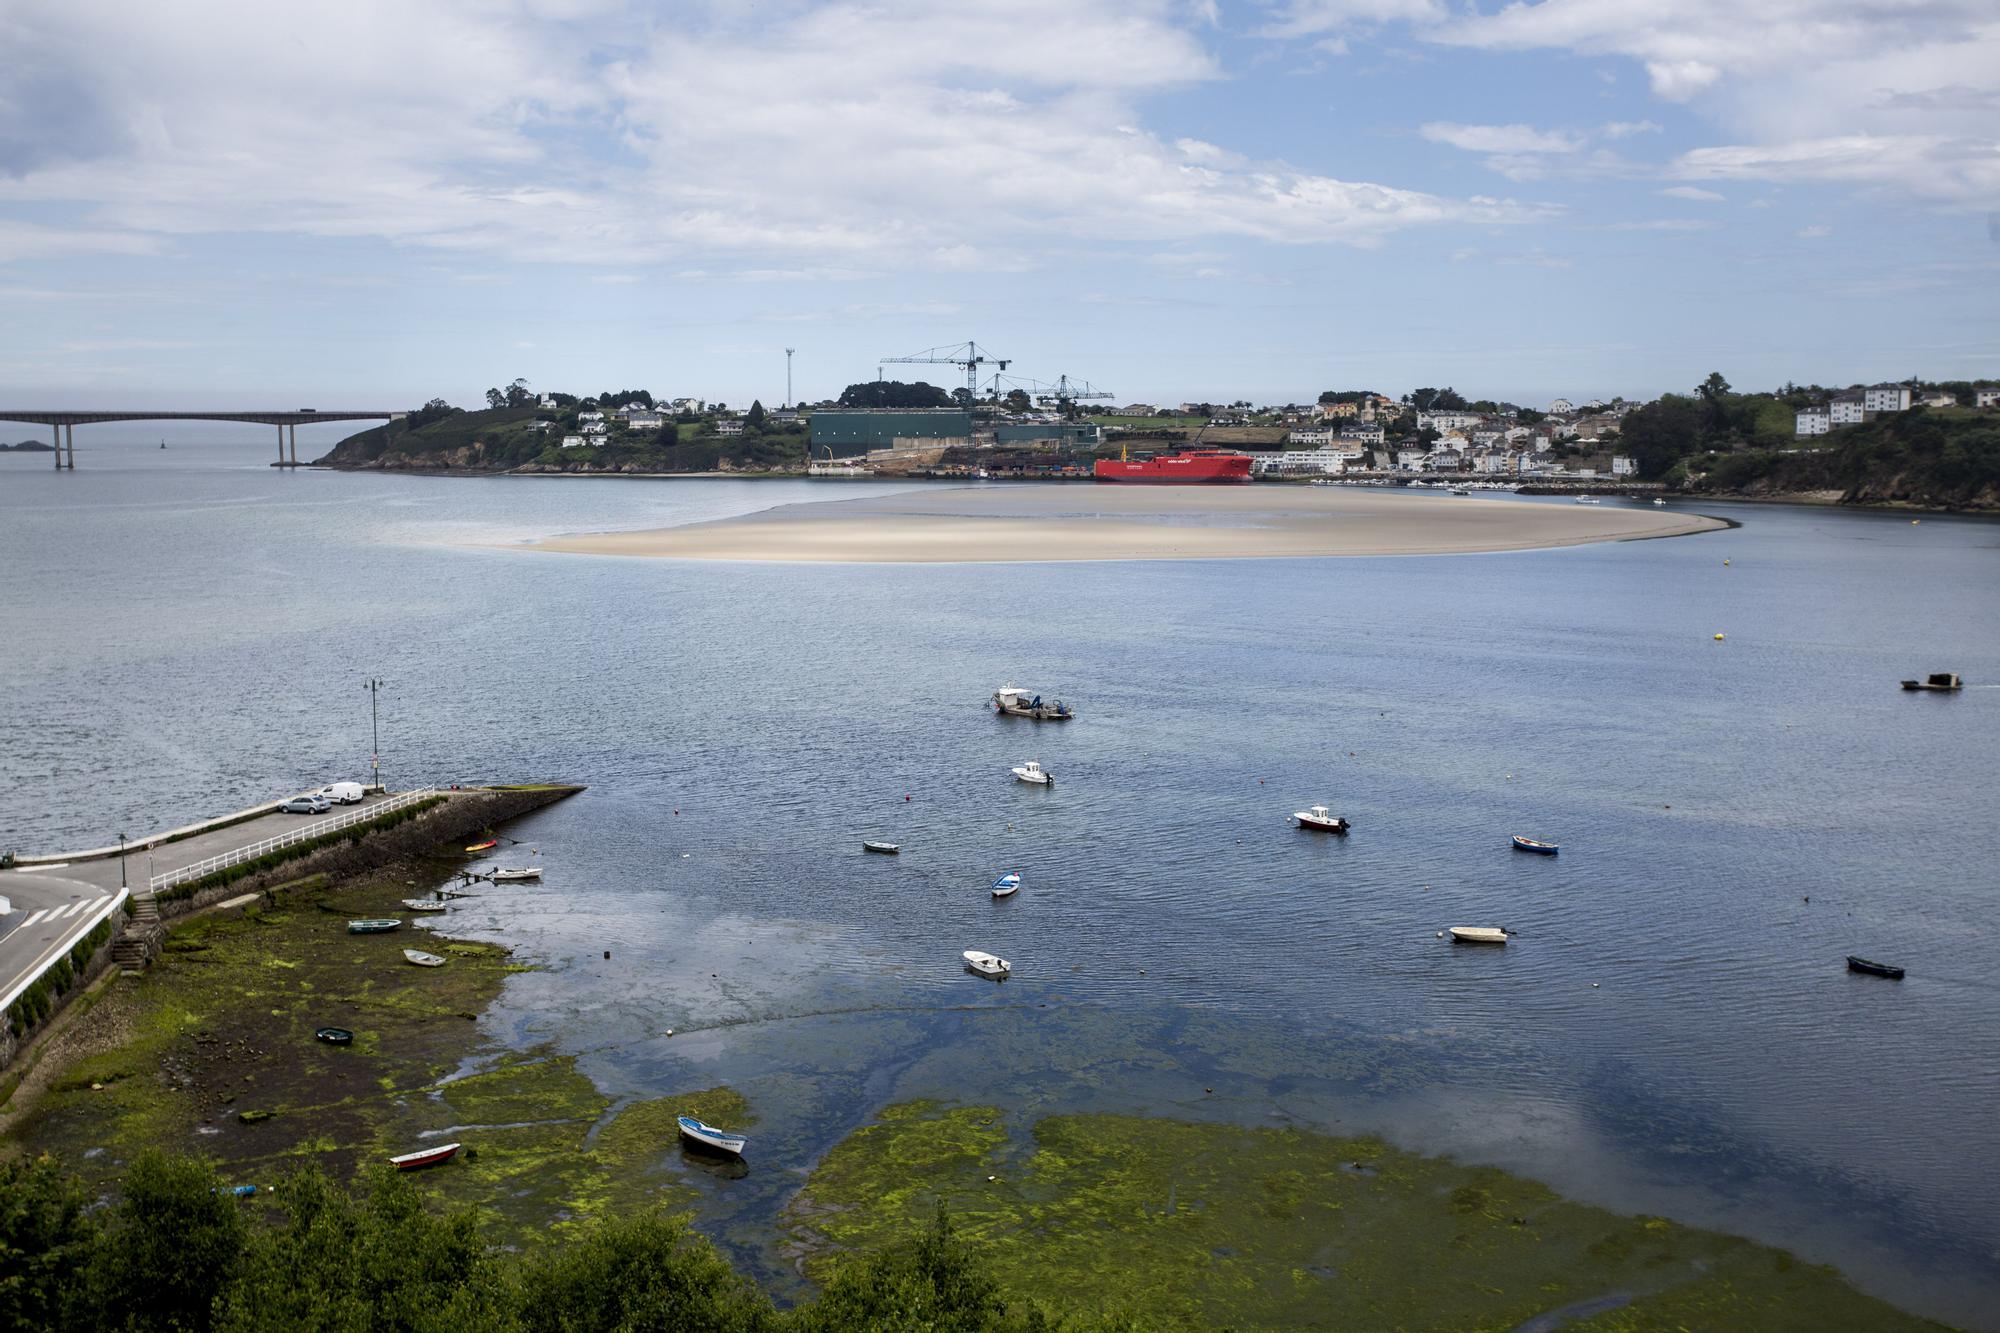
<point>1045,523</point>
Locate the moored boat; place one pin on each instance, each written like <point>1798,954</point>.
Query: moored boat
<point>708,1136</point>
<point>1588,500</point>
<point>987,964</point>
<point>1856,963</point>
<point>334,1036</point>
<point>426,904</point>
<point>1026,703</point>
<point>422,959</point>
<point>413,1161</point>
<point>1320,819</point>
<point>502,874</point>
<point>1942,681</point>
<point>373,925</point>
<point>884,848</point>
<point>1183,468</point>
<point>1007,885</point>
<point>1536,845</point>
<point>486,846</point>
<point>1032,771</point>
<point>1478,935</point>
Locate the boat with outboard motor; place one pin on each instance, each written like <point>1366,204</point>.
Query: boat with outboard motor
<point>1033,772</point>
<point>1478,935</point>
<point>987,964</point>
<point>1321,820</point>
<point>1012,702</point>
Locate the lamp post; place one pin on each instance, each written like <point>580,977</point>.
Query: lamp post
<point>374,688</point>
<point>121,860</point>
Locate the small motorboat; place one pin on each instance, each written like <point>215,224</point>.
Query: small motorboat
<point>334,1036</point>
<point>1026,703</point>
<point>502,874</point>
<point>1942,681</point>
<point>426,904</point>
<point>1658,501</point>
<point>1007,885</point>
<point>1587,500</point>
<point>1460,490</point>
<point>1478,935</point>
<point>885,848</point>
<point>987,964</point>
<point>373,925</point>
<point>422,959</point>
<point>486,846</point>
<point>1522,844</point>
<point>708,1136</point>
<point>416,1161</point>
<point>1320,819</point>
<point>1032,771</point>
<point>1856,963</point>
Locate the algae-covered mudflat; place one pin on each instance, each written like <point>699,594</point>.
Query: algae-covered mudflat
<point>1178,1224</point>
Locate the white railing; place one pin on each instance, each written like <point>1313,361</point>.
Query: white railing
<point>290,838</point>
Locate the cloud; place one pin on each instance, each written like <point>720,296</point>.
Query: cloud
<point>1299,18</point>
<point>1625,129</point>
<point>1965,171</point>
<point>1499,138</point>
<point>1666,224</point>
<point>1694,192</point>
<point>1814,232</point>
<point>30,240</point>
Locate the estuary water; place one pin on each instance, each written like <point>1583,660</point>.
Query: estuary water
<point>1672,1030</point>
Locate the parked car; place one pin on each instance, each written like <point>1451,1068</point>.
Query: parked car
<point>342,793</point>
<point>306,805</point>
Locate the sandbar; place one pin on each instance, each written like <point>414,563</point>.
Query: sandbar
<point>1016,523</point>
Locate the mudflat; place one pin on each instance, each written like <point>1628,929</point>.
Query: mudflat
<point>1071,522</point>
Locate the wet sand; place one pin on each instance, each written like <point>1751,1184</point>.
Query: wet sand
<point>1069,522</point>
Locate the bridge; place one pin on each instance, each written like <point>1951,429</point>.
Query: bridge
<point>64,424</point>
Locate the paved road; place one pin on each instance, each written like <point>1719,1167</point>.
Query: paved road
<point>52,905</point>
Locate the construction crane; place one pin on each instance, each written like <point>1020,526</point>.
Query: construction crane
<point>1078,391</point>
<point>967,356</point>
<point>1063,392</point>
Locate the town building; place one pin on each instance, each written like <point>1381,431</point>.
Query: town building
<point>572,442</point>
<point>845,433</point>
<point>1937,398</point>
<point>1622,466</point>
<point>1360,434</point>
<point>645,419</point>
<point>1313,437</point>
<point>1986,397</point>
<point>1813,421</point>
<point>1886,398</point>
<point>1847,410</point>
<point>1561,407</point>
<point>1447,421</point>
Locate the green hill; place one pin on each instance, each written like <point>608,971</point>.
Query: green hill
<point>506,439</point>
<point>1946,459</point>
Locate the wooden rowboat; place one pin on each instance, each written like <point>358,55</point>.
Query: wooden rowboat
<point>503,874</point>
<point>1522,844</point>
<point>885,848</point>
<point>1478,935</point>
<point>422,959</point>
<point>708,1136</point>
<point>373,925</point>
<point>1856,963</point>
<point>334,1036</point>
<point>426,904</point>
<point>416,1161</point>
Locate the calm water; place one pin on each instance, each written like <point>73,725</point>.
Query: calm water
<point>1673,1031</point>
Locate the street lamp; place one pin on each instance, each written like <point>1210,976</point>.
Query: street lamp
<point>121,860</point>
<point>374,688</point>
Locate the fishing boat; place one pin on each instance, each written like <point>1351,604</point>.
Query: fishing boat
<point>1032,771</point>
<point>334,1036</point>
<point>708,1136</point>
<point>1321,819</point>
<point>1014,702</point>
<point>486,846</point>
<point>1856,963</point>
<point>422,959</point>
<point>1942,681</point>
<point>416,1161</point>
<point>1522,844</point>
<point>1007,885</point>
<point>373,925</point>
<point>425,904</point>
<point>505,873</point>
<point>1478,935</point>
<point>987,964</point>
<point>884,848</point>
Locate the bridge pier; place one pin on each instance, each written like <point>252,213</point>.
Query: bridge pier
<point>70,432</point>
<point>56,430</point>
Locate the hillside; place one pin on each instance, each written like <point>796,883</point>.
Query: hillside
<point>506,439</point>
<point>1929,459</point>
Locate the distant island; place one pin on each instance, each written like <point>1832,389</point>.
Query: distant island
<point>28,447</point>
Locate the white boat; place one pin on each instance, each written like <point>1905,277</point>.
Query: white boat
<point>1319,817</point>
<point>1460,490</point>
<point>1587,500</point>
<point>422,959</point>
<point>425,904</point>
<point>1032,771</point>
<point>1007,885</point>
<point>1658,501</point>
<point>885,848</point>
<point>1478,935</point>
<point>504,873</point>
<point>987,964</point>
<point>708,1136</point>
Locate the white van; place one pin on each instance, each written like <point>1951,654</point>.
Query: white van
<point>342,793</point>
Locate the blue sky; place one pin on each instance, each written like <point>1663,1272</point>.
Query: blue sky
<point>223,203</point>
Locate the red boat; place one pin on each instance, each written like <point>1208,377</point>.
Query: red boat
<point>411,1161</point>
<point>1187,466</point>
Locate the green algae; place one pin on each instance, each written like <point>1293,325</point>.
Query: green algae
<point>1175,1223</point>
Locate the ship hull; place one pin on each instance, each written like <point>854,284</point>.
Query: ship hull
<point>1176,469</point>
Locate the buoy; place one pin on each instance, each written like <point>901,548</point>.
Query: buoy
<point>1915,521</point>
<point>906,796</point>
<point>1718,638</point>
<point>1725,562</point>
<point>607,953</point>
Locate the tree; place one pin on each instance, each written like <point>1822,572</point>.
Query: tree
<point>935,1281</point>
<point>518,395</point>
<point>496,399</point>
<point>173,1247</point>
<point>1436,400</point>
<point>893,393</point>
<point>1017,400</point>
<point>1661,434</point>
<point>47,1242</point>
<point>754,418</point>
<point>639,1273</point>
<point>1714,395</point>
<point>437,409</point>
<point>667,436</point>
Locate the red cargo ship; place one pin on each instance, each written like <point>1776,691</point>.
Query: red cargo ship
<point>1187,466</point>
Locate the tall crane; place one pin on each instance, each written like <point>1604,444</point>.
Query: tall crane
<point>1063,392</point>
<point>967,356</point>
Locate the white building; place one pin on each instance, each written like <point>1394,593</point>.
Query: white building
<point>1494,460</point>
<point>1886,398</point>
<point>1410,459</point>
<point>1561,407</point>
<point>1314,437</point>
<point>572,442</point>
<point>728,428</point>
<point>1847,410</point>
<point>1327,462</point>
<point>1938,398</point>
<point>1986,397</point>
<point>1444,421</point>
<point>590,416</point>
<point>1621,466</point>
<point>546,400</point>
<point>1813,421</point>
<point>1363,434</point>
<point>645,419</point>
<point>594,428</point>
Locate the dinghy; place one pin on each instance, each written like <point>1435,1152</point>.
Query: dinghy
<point>708,1136</point>
<point>503,874</point>
<point>1522,844</point>
<point>373,925</point>
<point>486,846</point>
<point>334,1036</point>
<point>425,904</point>
<point>987,964</point>
<point>1856,963</point>
<point>1032,771</point>
<point>414,1161</point>
<point>885,848</point>
<point>422,959</point>
<point>1319,818</point>
<point>1007,885</point>
<point>1478,935</point>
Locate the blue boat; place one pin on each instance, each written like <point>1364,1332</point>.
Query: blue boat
<point>708,1136</point>
<point>1005,885</point>
<point>1536,845</point>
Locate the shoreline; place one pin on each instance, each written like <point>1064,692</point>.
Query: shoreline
<point>976,525</point>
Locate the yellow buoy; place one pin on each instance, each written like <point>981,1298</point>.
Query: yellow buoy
<point>1718,638</point>
<point>1915,521</point>
<point>1725,562</point>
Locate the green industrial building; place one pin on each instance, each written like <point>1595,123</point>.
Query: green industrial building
<point>1064,434</point>
<point>845,433</point>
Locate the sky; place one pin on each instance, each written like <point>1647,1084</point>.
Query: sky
<point>226,203</point>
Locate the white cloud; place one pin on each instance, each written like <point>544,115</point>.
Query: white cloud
<point>29,240</point>
<point>1814,232</point>
<point>1298,18</point>
<point>1500,138</point>
<point>1965,171</point>
<point>1694,192</point>
<point>1666,224</point>
<point>1625,129</point>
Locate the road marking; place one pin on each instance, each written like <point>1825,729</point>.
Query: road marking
<point>77,907</point>
<point>36,917</point>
